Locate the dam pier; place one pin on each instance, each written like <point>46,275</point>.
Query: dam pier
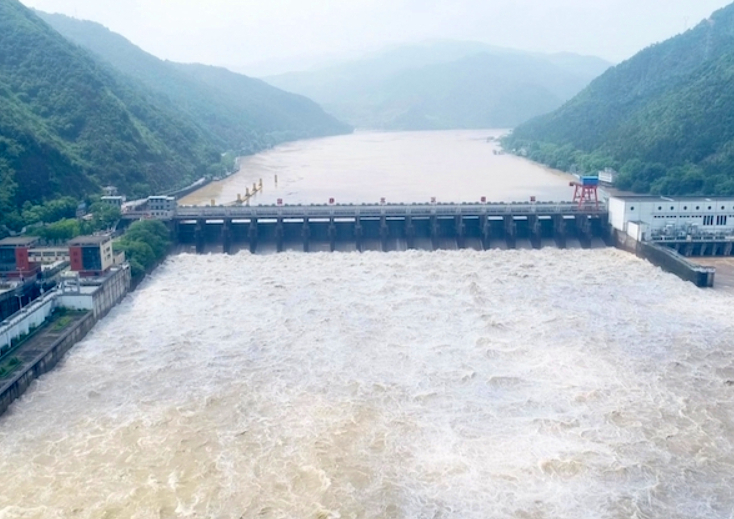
<point>669,232</point>
<point>388,227</point>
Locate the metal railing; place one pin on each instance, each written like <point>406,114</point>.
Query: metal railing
<point>388,210</point>
<point>694,238</point>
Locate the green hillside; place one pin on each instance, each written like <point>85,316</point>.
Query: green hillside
<point>445,85</point>
<point>664,118</point>
<point>241,113</point>
<point>69,125</point>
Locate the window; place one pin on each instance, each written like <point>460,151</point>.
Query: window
<point>7,256</point>
<point>660,208</point>
<point>685,208</point>
<point>708,220</point>
<point>632,208</point>
<point>91,258</point>
<point>721,219</point>
<point>672,208</point>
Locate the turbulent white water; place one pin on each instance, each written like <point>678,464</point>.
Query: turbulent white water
<point>523,384</point>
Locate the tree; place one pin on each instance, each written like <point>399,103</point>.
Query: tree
<point>145,243</point>
<point>104,215</point>
<point>60,231</point>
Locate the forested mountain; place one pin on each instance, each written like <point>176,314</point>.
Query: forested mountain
<point>664,118</point>
<point>241,113</point>
<point>69,125</point>
<point>444,85</point>
<point>70,122</point>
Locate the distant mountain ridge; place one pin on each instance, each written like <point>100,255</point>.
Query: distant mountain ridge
<point>444,85</point>
<point>664,118</point>
<point>243,113</point>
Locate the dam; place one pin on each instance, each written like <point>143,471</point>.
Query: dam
<point>388,227</point>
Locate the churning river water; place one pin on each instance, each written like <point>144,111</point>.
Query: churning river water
<point>517,384</point>
<point>528,384</point>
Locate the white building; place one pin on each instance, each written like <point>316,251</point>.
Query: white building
<point>608,176</point>
<point>161,206</point>
<point>653,217</point>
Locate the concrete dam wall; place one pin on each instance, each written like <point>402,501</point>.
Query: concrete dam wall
<point>386,228</point>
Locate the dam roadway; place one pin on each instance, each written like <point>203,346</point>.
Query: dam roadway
<point>389,227</point>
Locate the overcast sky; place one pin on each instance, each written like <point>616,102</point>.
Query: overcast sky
<point>262,36</point>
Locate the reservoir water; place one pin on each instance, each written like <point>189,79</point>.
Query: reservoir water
<point>452,166</point>
<point>529,384</point>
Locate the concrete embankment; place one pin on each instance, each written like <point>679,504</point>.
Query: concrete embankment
<point>42,353</point>
<point>185,191</point>
<point>51,337</point>
<point>668,260</point>
<point>672,262</point>
<point>724,271</point>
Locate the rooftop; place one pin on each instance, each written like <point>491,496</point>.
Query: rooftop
<point>89,240</point>
<point>655,198</point>
<point>18,241</point>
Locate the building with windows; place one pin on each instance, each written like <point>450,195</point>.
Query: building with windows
<point>161,206</point>
<point>116,201</point>
<point>48,255</point>
<point>656,218</point>
<point>91,255</point>
<point>15,258</point>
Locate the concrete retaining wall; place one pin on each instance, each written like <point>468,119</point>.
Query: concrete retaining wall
<point>625,242</point>
<point>102,301</point>
<point>180,193</point>
<point>667,259</point>
<point>45,362</point>
<point>99,299</point>
<point>33,316</point>
<point>672,262</point>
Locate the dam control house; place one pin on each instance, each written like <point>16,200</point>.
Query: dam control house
<point>693,226</point>
<point>91,255</point>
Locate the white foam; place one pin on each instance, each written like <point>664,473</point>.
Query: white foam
<point>451,384</point>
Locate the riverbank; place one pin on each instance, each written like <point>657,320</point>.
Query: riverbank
<point>211,187</point>
<point>40,353</point>
<point>41,334</point>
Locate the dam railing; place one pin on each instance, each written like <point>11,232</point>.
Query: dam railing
<point>389,210</point>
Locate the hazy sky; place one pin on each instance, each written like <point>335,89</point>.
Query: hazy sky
<point>256,35</point>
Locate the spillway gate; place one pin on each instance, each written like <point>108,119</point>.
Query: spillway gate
<point>389,227</point>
